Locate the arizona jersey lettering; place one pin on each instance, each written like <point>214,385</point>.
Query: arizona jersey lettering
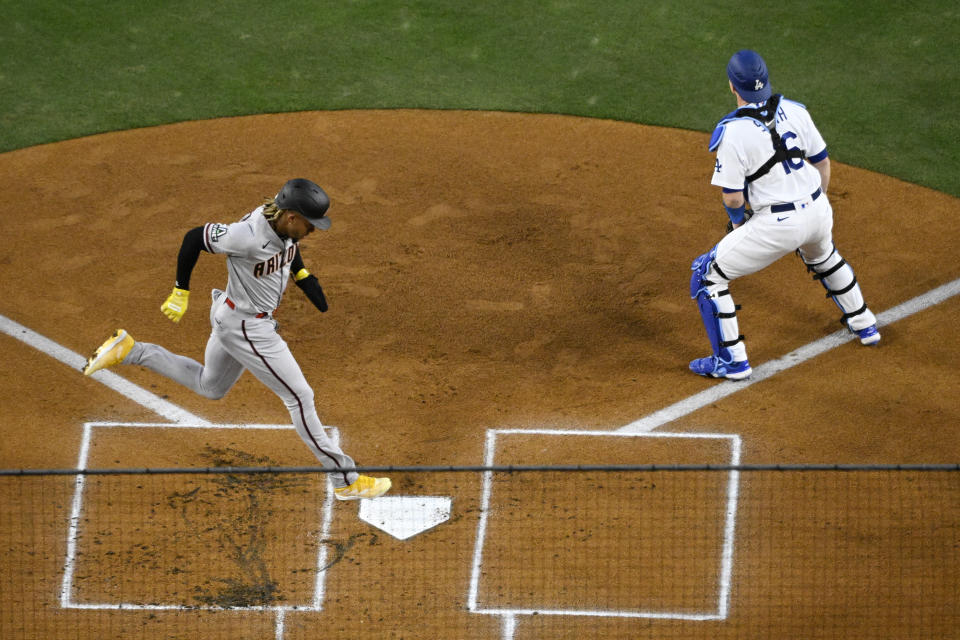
<point>258,261</point>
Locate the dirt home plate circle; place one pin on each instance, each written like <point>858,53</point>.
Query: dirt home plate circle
<point>484,271</point>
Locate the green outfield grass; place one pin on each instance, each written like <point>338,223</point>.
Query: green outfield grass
<point>881,78</point>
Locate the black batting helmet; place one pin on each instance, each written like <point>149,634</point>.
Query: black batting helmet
<point>306,198</point>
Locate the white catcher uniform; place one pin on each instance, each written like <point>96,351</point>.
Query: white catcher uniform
<point>791,213</point>
<point>244,334</point>
<point>807,225</point>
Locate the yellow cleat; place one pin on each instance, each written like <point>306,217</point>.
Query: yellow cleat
<point>364,487</point>
<point>111,352</point>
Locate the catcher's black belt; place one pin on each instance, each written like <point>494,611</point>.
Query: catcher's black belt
<point>780,208</point>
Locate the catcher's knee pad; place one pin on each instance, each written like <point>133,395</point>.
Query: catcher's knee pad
<point>708,286</point>
<point>838,279</point>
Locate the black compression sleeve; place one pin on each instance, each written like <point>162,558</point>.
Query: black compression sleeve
<point>297,263</point>
<point>314,291</point>
<point>187,259</point>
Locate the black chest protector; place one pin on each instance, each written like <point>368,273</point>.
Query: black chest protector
<point>767,114</point>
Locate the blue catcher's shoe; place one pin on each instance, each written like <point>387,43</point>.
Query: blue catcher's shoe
<point>869,336</point>
<point>714,367</point>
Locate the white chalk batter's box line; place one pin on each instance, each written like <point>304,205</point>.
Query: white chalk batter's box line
<point>66,599</point>
<point>726,555</point>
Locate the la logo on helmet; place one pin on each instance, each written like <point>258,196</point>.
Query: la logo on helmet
<point>758,86</point>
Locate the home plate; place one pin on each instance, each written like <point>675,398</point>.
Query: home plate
<point>405,516</point>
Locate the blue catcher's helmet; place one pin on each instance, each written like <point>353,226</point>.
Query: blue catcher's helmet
<point>748,73</point>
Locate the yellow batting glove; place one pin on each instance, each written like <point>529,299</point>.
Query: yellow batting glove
<point>176,304</point>
<point>300,275</point>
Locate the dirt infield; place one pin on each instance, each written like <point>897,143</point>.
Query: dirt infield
<point>484,271</point>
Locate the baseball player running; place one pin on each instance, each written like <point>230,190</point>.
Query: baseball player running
<point>770,155</point>
<point>262,250</point>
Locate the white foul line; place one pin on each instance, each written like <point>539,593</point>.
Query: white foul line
<point>792,359</point>
<point>75,361</point>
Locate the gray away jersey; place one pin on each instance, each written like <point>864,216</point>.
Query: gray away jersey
<point>258,261</point>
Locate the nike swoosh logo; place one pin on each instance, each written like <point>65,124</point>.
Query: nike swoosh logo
<point>265,245</point>
<point>778,220</point>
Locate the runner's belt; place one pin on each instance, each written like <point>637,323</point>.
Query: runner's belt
<point>780,208</point>
<point>234,307</point>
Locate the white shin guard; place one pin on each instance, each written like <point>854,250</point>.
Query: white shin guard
<point>838,279</point>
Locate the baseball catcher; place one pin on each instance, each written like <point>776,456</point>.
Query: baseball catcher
<point>771,158</point>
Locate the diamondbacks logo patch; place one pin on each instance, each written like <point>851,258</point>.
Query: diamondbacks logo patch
<point>216,231</point>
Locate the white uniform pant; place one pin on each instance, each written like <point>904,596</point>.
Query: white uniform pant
<point>769,236</point>
<point>237,342</point>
